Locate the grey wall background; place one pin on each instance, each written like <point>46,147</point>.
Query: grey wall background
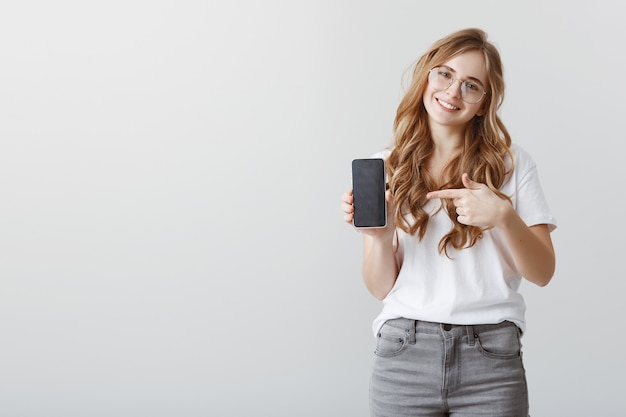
<point>171,172</point>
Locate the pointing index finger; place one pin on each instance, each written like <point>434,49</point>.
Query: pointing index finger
<point>448,193</point>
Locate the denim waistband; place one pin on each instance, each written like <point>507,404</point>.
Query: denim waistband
<point>445,329</point>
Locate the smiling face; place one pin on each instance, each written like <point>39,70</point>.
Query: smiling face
<point>445,107</point>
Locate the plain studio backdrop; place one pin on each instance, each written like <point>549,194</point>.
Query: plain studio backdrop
<point>171,173</point>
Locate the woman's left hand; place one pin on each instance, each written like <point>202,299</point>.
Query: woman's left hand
<point>476,204</point>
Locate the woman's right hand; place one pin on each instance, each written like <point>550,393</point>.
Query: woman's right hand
<point>347,206</point>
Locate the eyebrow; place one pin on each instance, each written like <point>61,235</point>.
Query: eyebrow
<point>468,78</point>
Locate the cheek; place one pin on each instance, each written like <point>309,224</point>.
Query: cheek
<point>428,100</point>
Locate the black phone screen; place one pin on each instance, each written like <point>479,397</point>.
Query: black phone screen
<point>368,186</point>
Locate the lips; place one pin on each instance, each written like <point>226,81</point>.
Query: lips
<point>447,105</point>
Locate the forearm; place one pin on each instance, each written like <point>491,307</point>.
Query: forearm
<point>531,248</point>
<point>380,268</point>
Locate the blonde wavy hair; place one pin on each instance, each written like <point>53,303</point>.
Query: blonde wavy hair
<point>485,155</point>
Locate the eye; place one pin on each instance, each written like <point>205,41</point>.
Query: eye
<point>444,74</point>
<point>472,86</point>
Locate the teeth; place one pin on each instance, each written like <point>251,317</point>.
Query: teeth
<point>448,105</point>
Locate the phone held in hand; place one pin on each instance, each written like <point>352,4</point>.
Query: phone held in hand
<point>368,187</point>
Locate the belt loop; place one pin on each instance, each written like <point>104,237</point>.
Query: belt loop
<point>470,335</point>
<point>412,331</point>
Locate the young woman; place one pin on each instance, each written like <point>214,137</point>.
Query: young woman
<point>467,221</point>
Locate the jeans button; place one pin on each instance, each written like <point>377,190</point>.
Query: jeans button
<point>447,327</point>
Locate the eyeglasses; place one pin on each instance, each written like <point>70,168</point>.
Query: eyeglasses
<point>441,79</point>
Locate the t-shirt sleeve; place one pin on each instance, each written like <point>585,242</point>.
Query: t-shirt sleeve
<point>528,197</point>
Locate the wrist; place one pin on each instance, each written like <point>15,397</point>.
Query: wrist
<point>506,217</point>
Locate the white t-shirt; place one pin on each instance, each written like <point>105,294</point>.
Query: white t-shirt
<point>477,286</point>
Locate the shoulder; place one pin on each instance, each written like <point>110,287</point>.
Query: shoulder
<point>523,159</point>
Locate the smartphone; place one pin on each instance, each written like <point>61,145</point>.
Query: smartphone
<point>368,187</point>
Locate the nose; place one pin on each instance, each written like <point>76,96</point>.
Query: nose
<point>455,88</point>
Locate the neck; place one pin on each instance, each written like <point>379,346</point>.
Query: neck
<point>447,144</point>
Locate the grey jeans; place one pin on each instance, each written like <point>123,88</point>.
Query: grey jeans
<point>424,369</point>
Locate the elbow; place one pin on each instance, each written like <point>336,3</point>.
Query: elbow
<point>543,281</point>
<point>378,293</point>
<point>538,280</point>
<point>543,278</point>
<point>378,289</point>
